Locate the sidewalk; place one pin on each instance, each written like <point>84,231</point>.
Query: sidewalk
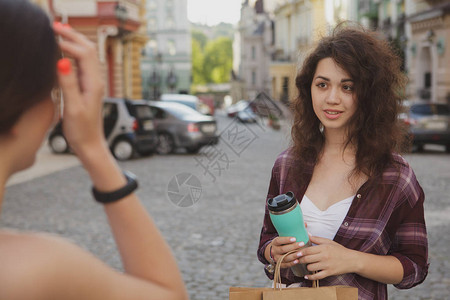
<point>46,163</point>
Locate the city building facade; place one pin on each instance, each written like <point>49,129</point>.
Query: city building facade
<point>428,53</point>
<point>419,30</point>
<point>114,27</point>
<point>253,47</point>
<point>166,64</point>
<point>298,25</point>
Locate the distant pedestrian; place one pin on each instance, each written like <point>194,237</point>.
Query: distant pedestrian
<point>361,200</point>
<point>41,266</point>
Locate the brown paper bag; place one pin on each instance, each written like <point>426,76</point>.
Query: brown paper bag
<point>339,292</point>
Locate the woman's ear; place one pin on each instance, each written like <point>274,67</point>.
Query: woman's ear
<point>9,134</point>
<point>14,130</point>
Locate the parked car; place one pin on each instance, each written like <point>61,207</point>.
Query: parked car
<point>247,115</point>
<point>128,127</point>
<point>429,123</point>
<point>188,100</point>
<point>242,111</point>
<point>179,126</point>
<point>233,109</point>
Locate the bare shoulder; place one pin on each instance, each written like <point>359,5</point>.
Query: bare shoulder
<point>28,263</point>
<point>43,266</point>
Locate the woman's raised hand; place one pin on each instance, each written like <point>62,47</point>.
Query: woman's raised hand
<point>83,90</point>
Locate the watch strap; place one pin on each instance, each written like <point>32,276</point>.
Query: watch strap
<point>109,197</point>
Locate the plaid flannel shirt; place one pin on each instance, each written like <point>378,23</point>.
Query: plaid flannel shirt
<point>385,219</point>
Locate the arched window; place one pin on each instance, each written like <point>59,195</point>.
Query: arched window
<point>171,48</point>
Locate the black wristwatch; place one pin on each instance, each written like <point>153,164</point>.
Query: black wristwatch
<point>109,197</point>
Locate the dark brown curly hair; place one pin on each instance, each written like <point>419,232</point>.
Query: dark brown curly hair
<point>379,84</point>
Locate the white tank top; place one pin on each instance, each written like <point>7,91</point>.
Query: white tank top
<point>324,223</point>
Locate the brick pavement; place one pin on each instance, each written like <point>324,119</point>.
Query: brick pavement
<point>215,240</point>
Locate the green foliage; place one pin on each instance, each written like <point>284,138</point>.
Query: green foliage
<point>197,63</point>
<point>213,32</point>
<point>212,62</point>
<point>200,37</point>
<point>223,29</point>
<point>218,60</point>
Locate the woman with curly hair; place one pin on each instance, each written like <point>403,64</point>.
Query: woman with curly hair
<point>360,199</point>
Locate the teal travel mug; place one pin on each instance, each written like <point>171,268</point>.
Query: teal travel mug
<point>287,217</point>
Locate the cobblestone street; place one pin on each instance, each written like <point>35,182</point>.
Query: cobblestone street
<point>214,240</point>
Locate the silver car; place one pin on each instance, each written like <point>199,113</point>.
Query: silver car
<point>428,123</point>
<point>179,126</point>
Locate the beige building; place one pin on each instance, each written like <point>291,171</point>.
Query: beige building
<point>115,27</point>
<point>428,53</point>
<point>298,26</point>
<point>274,37</point>
<point>252,47</point>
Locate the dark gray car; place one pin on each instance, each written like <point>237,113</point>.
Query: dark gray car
<point>429,123</point>
<point>179,126</point>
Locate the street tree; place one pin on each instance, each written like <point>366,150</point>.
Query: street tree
<point>218,60</point>
<point>198,75</point>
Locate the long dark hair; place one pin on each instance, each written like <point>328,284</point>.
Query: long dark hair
<point>28,55</point>
<point>379,84</point>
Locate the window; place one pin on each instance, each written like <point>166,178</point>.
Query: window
<point>170,23</point>
<point>427,79</point>
<point>171,47</point>
<point>253,52</point>
<point>110,110</point>
<point>158,113</point>
<point>285,90</point>
<point>151,24</point>
<point>253,78</point>
<point>143,112</point>
<point>151,48</point>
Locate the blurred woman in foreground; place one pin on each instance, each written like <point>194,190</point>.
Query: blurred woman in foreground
<point>40,266</point>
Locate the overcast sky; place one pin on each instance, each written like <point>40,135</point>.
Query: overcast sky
<point>212,12</point>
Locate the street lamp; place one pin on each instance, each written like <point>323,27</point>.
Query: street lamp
<point>154,81</point>
<point>171,80</point>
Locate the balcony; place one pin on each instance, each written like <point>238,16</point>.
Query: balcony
<point>124,13</point>
<point>113,9</point>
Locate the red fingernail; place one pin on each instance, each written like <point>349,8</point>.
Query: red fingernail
<point>57,25</point>
<point>64,66</point>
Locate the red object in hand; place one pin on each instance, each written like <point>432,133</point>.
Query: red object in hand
<point>64,66</point>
